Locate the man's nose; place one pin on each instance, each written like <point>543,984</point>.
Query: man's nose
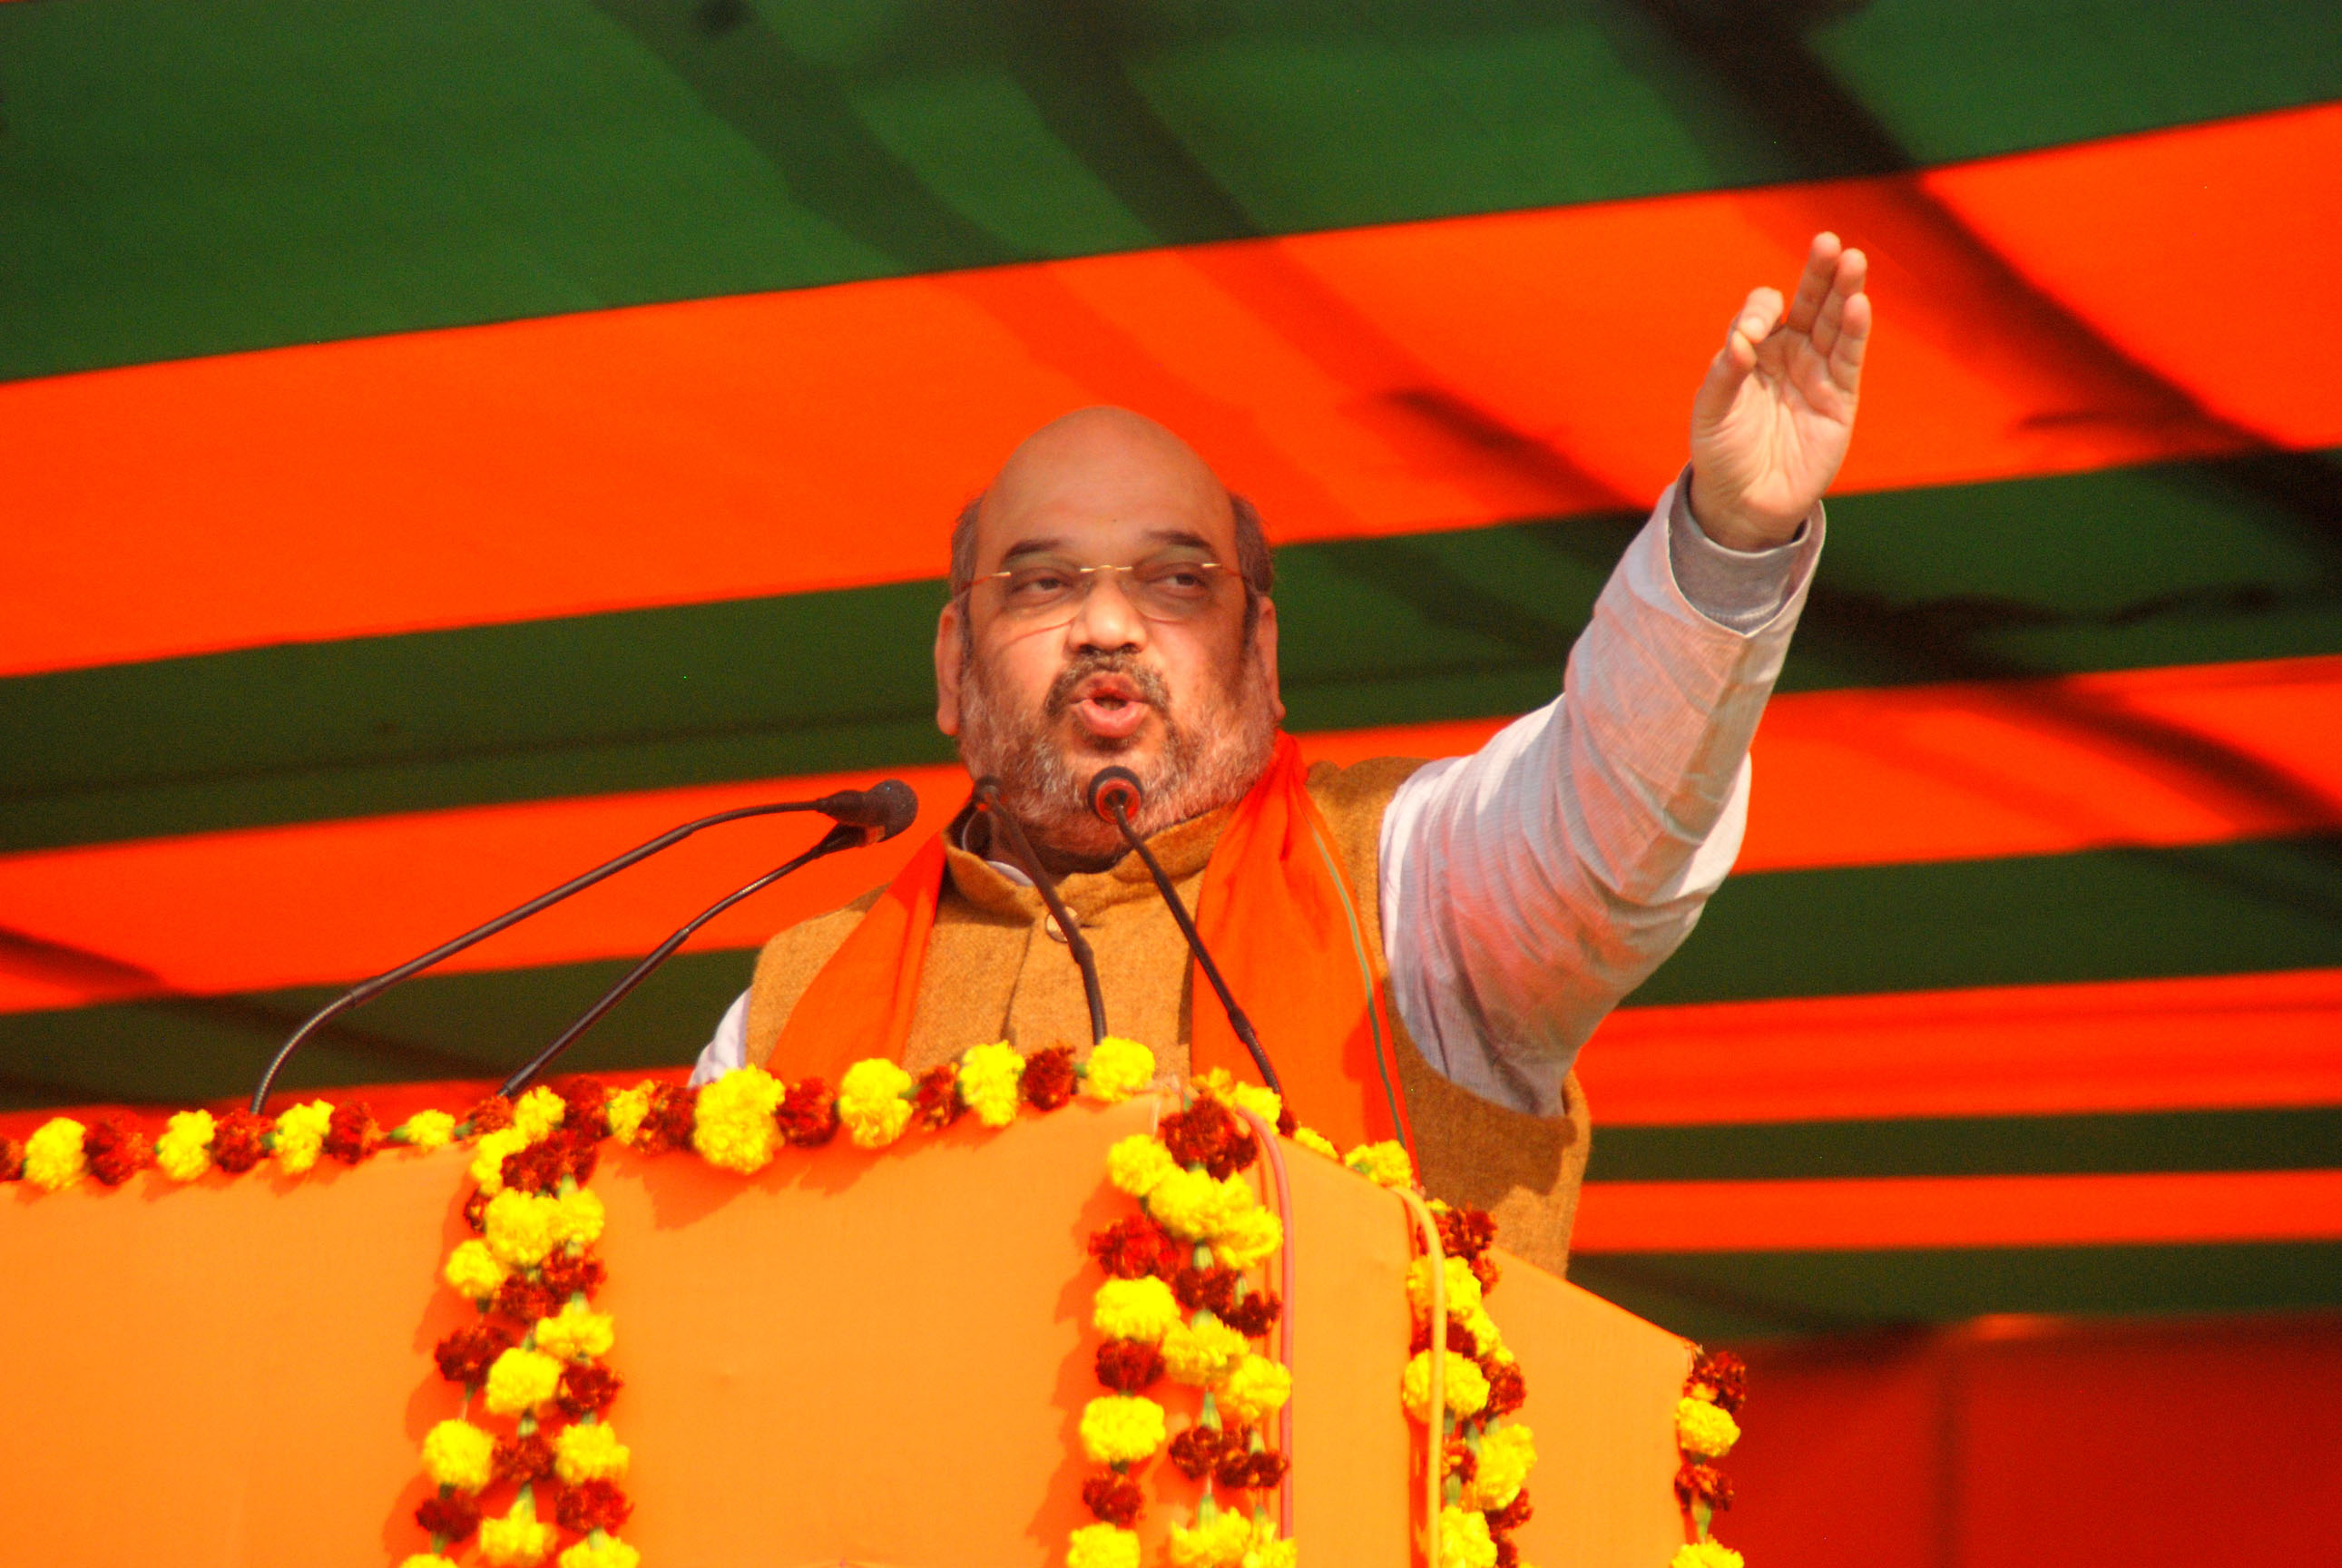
<point>1106,618</point>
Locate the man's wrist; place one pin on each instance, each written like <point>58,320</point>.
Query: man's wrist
<point>1735,528</point>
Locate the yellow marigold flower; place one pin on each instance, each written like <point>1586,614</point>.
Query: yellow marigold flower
<point>1316,1142</point>
<point>1705,1429</point>
<point>589,1452</point>
<point>732,1124</point>
<point>184,1152</point>
<point>1248,1238</point>
<point>1121,1429</point>
<point>301,1135</point>
<point>1704,1554</point>
<point>1115,1069</point>
<point>1135,1309</point>
<point>1138,1164</point>
<point>474,1270</point>
<point>1464,1390</point>
<point>627,1110</point>
<point>520,1227</point>
<point>53,1156</point>
<point>1219,1542</point>
<point>578,1216</point>
<point>458,1454</point>
<point>521,1379</point>
<point>1267,1551</point>
<point>988,1078</point>
<point>518,1540</point>
<point>1102,1546</point>
<point>538,1113</point>
<point>1193,1207</point>
<point>575,1330</point>
<point>1506,1456</point>
<point>427,1560</point>
<point>1464,1539</point>
<point>1487,1335</point>
<point>1385,1164</point>
<point>1258,1098</point>
<point>601,1552</point>
<point>870,1101</point>
<point>428,1130</point>
<point>488,1156</point>
<point>1201,1354</point>
<point>1463,1287</point>
<point>1255,1390</point>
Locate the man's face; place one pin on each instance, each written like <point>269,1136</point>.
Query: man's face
<point>1052,675</point>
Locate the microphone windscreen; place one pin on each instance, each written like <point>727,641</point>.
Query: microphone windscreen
<point>898,806</point>
<point>1109,785</point>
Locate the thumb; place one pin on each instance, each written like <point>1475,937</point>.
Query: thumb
<point>1751,325</point>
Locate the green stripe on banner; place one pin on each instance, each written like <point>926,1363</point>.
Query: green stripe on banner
<point>183,178</point>
<point>2109,914</point>
<point>1721,1298</point>
<point>182,1050</point>
<point>2176,563</point>
<point>2274,1140</point>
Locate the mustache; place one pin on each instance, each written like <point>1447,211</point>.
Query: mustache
<point>1084,666</point>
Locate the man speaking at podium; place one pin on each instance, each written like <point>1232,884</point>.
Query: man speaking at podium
<point>1424,947</point>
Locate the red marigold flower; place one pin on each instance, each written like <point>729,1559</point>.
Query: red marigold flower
<point>1047,1081</point>
<point>1458,1461</point>
<point>1508,1391</point>
<point>11,1160</point>
<point>455,1515</point>
<point>1288,1123</point>
<point>475,1210</point>
<point>1255,1314</point>
<point>352,1134</point>
<point>1207,1133</point>
<point>567,1276</point>
<point>593,1505</point>
<point>236,1141</point>
<point>1467,1232</point>
<point>935,1102</point>
<point>1487,1271</point>
<point>587,1389</point>
<point>1509,1555</point>
<point>1725,1374</point>
<point>667,1124</point>
<point>1703,1482</point>
<point>808,1114</point>
<point>1461,1341</point>
<point>493,1114</point>
<point>523,1459</point>
<point>586,1102</point>
<point>1126,1366</point>
<point>1133,1249</point>
<point>1513,1514</point>
<point>1116,1499</point>
<point>1196,1452</point>
<point>527,1300</point>
<point>1211,1290</point>
<point>464,1355</point>
<point>116,1151</point>
<point>1260,1470</point>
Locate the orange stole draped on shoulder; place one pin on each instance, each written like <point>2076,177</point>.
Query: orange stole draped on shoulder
<point>1276,911</point>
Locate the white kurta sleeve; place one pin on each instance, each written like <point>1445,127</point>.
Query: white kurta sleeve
<point>1528,887</point>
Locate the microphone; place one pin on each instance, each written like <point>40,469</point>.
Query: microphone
<point>891,805</point>
<point>1115,792</point>
<point>879,812</point>
<point>987,794</point>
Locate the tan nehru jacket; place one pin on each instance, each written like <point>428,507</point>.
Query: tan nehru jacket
<point>996,969</point>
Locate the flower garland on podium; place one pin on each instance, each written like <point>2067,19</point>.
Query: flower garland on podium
<point>1179,1300</point>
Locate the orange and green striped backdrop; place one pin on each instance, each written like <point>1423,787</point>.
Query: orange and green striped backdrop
<point>449,440</point>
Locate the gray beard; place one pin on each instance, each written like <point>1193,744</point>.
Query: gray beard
<point>1208,759</point>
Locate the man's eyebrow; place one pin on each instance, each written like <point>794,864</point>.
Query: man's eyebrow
<point>1182,537</point>
<point>1033,547</point>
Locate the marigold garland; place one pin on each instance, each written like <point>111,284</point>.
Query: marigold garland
<point>1714,1391</point>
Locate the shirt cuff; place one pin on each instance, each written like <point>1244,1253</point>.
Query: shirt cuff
<point>1740,590</point>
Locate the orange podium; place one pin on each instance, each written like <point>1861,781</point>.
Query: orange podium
<point>851,1356</point>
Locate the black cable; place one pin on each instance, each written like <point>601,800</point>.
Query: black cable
<point>987,794</point>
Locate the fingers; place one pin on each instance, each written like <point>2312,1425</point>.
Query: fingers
<point>1813,284</point>
<point>1758,315</point>
<point>1842,326</point>
<point>1846,355</point>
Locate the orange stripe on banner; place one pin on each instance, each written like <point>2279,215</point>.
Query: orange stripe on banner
<point>1391,380</point>
<point>2214,1042</point>
<point>1959,1212</point>
<point>1845,778</point>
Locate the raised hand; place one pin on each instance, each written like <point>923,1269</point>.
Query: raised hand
<point>1773,418</point>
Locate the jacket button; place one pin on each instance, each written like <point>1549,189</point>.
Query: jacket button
<point>1049,924</point>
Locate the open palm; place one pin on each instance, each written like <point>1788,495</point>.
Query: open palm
<point>1773,419</point>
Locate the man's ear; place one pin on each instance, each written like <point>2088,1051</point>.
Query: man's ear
<point>1263,648</point>
<point>950,634</point>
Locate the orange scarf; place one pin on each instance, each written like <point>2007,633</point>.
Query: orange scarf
<point>1276,911</point>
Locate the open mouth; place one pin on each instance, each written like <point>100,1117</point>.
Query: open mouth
<point>1110,707</point>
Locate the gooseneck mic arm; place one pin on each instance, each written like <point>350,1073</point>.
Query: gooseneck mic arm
<point>987,794</point>
<point>1113,794</point>
<point>860,809</point>
<point>899,808</point>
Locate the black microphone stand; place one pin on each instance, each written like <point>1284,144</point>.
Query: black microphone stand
<point>1112,793</point>
<point>987,794</point>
